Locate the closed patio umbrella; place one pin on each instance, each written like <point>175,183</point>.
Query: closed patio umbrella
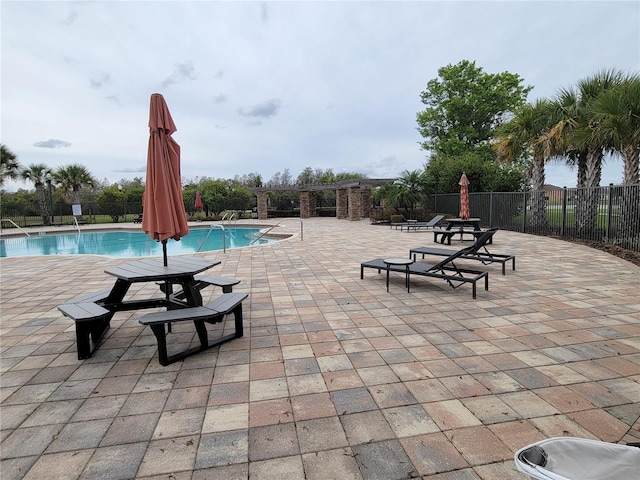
<point>198,205</point>
<point>464,197</point>
<point>164,215</point>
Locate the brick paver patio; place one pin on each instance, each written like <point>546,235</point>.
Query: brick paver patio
<point>335,378</point>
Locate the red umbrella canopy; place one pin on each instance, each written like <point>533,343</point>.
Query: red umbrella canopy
<point>164,215</point>
<point>464,197</point>
<point>199,203</point>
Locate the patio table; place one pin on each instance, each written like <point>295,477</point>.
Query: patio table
<point>460,223</point>
<point>399,262</point>
<point>180,271</point>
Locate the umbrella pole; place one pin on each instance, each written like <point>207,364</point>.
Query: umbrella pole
<point>164,252</point>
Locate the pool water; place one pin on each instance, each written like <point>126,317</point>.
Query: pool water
<point>122,243</point>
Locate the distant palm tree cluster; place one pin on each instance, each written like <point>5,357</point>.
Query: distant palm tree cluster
<point>579,126</point>
<point>69,178</point>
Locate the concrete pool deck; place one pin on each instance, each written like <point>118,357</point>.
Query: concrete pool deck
<point>335,377</point>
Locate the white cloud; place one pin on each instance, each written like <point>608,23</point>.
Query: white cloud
<point>263,87</point>
<point>52,143</point>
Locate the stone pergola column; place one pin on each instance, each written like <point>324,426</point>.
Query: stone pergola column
<point>355,203</point>
<point>365,204</point>
<point>307,204</point>
<point>342,203</point>
<point>262,205</point>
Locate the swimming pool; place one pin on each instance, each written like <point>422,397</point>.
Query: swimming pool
<point>123,243</point>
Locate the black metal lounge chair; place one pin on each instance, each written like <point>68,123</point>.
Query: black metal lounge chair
<point>446,270</point>
<point>414,225</point>
<point>478,251</point>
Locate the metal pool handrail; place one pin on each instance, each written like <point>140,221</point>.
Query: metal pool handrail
<point>75,220</point>
<point>227,219</point>
<point>224,238</point>
<point>14,224</point>
<point>262,234</point>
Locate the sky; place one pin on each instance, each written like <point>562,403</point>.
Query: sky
<point>260,87</point>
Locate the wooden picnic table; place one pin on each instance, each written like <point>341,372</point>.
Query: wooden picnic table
<point>180,271</point>
<point>93,313</point>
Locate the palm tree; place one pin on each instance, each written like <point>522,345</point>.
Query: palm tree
<point>73,178</point>
<point>583,140</point>
<point>406,192</point>
<point>9,165</point>
<point>617,112</point>
<point>37,173</point>
<point>527,135</point>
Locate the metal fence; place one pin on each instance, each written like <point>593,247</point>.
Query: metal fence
<point>29,214</point>
<point>608,215</point>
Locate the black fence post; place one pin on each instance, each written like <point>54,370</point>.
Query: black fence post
<point>491,210</point>
<point>563,228</point>
<point>524,212</point>
<point>609,212</point>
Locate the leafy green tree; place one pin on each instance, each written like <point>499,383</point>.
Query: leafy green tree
<point>37,173</point>
<point>250,180</point>
<point>132,190</point>
<point>306,177</point>
<point>9,165</point>
<point>111,200</point>
<point>465,105</point>
<point>239,198</point>
<point>133,193</point>
<point>72,178</point>
<point>21,196</point>
<point>319,176</point>
<point>214,196</point>
<point>281,179</point>
<point>348,176</point>
<point>443,173</point>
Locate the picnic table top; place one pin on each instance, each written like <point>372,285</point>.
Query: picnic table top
<point>153,269</point>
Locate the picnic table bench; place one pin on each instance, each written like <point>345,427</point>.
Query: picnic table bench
<point>92,321</point>
<point>212,312</point>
